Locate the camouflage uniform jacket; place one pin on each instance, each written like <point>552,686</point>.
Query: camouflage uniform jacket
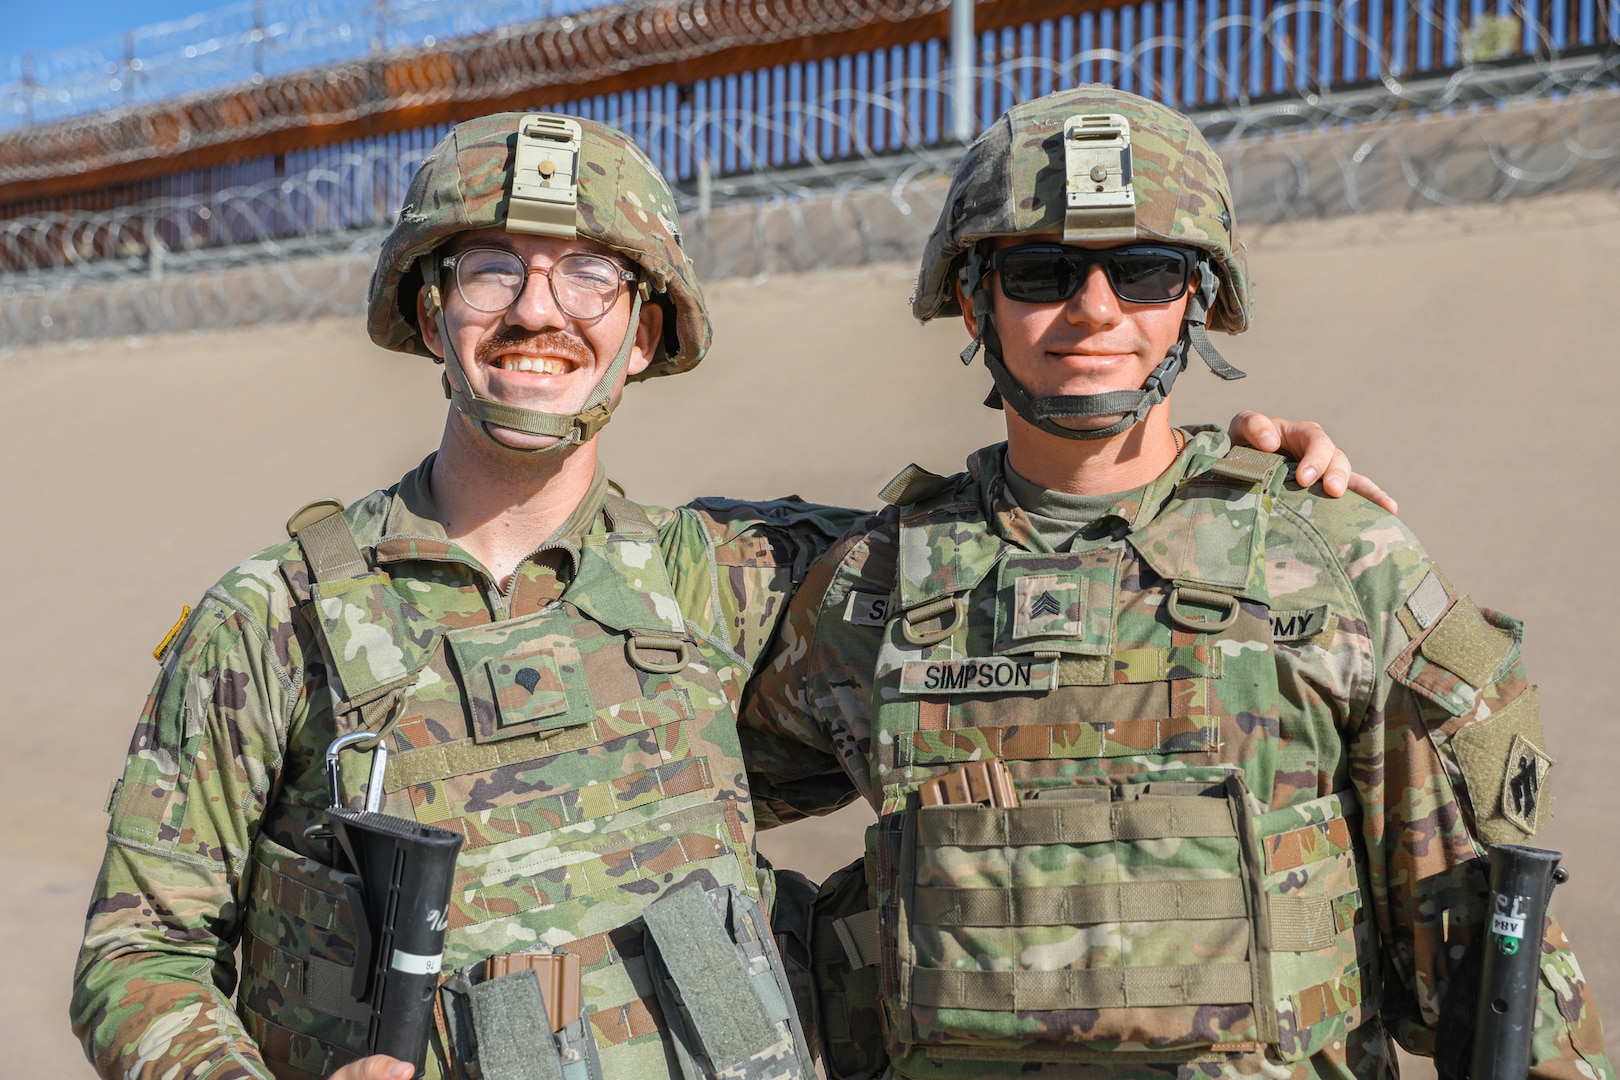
<point>207,849</point>
<point>1363,708</point>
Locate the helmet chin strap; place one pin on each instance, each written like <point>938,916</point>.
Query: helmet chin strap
<point>569,429</point>
<point>1131,406</point>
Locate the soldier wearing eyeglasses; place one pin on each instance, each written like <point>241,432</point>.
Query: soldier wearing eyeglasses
<point>553,670</point>
<point>1180,769</point>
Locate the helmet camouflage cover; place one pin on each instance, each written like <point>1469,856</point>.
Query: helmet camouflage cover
<point>1012,182</point>
<point>623,203</point>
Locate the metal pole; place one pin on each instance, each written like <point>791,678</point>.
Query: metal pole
<point>129,67</point>
<point>28,85</point>
<point>258,39</point>
<point>963,126</point>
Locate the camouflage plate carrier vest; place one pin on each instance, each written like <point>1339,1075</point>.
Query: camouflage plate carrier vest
<point>588,754</point>
<point>1147,900</point>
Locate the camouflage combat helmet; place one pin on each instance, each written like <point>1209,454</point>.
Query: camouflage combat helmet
<point>1091,164</point>
<point>552,176</point>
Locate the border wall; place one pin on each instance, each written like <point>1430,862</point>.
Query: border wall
<point>800,134</point>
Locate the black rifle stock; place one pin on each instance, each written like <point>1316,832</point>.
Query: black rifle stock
<point>401,911</point>
<point>1522,880</point>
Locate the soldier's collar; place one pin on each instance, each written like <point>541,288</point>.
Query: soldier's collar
<point>988,466</point>
<point>412,529</point>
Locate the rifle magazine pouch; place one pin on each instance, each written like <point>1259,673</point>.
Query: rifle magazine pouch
<point>844,959</point>
<point>723,988</point>
<point>499,1029</point>
<point>509,1020</point>
<point>576,1048</point>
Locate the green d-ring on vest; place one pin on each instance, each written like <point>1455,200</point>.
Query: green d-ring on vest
<point>1202,625</point>
<point>955,606</point>
<point>679,646</point>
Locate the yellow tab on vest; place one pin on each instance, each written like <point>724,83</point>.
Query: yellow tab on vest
<point>167,643</point>
<point>1466,645</point>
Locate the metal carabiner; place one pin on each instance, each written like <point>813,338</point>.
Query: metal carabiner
<point>379,767</point>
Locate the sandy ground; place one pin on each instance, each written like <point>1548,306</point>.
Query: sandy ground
<point>1463,357</point>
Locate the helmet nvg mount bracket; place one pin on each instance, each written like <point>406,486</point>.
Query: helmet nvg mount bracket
<point>543,175</point>
<point>1095,165</point>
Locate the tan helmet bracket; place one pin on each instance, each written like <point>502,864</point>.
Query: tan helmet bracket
<point>545,177</point>
<point>1101,205</point>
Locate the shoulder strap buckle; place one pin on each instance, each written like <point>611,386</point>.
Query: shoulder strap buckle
<point>329,546</point>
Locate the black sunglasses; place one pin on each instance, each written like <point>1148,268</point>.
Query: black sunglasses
<point>1051,273</point>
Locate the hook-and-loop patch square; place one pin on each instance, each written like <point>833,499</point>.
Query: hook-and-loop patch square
<point>1506,771</point>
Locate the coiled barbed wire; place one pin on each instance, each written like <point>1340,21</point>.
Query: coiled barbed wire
<point>510,61</point>
<point>242,43</point>
<point>302,245</point>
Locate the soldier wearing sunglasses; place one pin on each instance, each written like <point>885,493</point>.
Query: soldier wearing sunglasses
<point>1180,769</point>
<point>552,670</point>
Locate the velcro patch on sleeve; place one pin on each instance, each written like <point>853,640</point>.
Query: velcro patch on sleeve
<point>1428,601</point>
<point>1466,645</point>
<point>1506,771</point>
<point>867,609</point>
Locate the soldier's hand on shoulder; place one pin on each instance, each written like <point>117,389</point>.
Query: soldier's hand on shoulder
<point>1314,449</point>
<point>375,1067</point>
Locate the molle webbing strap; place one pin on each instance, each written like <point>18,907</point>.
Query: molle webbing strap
<point>1301,923</point>
<point>1248,465</point>
<point>1071,823</point>
<point>715,988</point>
<point>1083,988</point>
<point>858,934</point>
<point>514,1041</point>
<point>628,517</point>
<point>326,985</point>
<point>329,546</point>
<point>1079,905</point>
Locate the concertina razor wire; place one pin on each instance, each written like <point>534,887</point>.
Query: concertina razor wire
<point>302,245</point>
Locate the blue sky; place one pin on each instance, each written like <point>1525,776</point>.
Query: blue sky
<point>43,25</point>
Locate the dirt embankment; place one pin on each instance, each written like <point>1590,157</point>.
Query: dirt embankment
<point>1463,357</point>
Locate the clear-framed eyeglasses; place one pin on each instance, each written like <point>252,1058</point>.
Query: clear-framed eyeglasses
<point>584,285</point>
